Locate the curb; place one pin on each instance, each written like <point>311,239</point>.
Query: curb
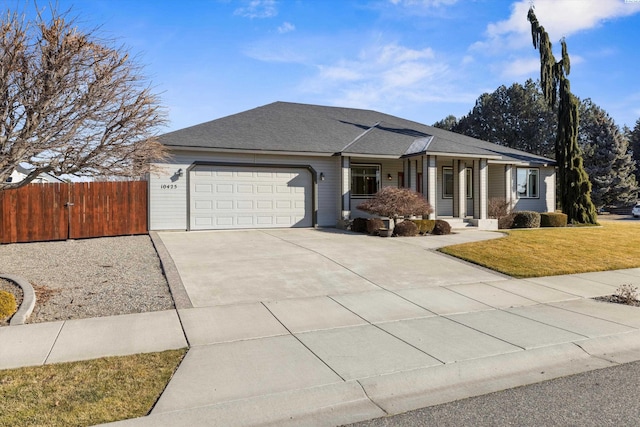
<point>28,300</point>
<point>178,292</point>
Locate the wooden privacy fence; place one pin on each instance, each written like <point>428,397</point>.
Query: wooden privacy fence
<point>39,212</point>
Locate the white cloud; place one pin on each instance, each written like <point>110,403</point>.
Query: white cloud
<point>258,9</point>
<point>387,77</point>
<point>339,73</point>
<point>516,68</point>
<point>560,18</point>
<point>286,27</point>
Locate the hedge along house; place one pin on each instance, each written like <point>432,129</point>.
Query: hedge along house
<point>298,165</point>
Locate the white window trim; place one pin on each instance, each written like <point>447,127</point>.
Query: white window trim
<point>520,195</point>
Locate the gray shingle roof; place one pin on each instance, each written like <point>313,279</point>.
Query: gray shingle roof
<point>291,127</point>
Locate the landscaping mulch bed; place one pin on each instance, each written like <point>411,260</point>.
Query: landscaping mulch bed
<point>77,279</point>
<point>618,300</point>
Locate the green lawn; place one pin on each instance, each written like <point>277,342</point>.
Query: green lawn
<point>552,251</point>
<point>85,393</point>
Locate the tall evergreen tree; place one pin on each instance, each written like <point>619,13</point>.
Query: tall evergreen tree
<point>516,116</point>
<point>607,158</point>
<point>448,123</point>
<point>634,145</point>
<point>574,185</point>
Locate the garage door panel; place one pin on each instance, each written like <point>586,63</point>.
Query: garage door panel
<point>244,204</point>
<point>248,197</point>
<point>204,188</point>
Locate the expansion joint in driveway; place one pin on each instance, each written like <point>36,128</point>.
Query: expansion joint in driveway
<point>303,344</point>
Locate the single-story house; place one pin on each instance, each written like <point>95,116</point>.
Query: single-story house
<point>297,165</point>
<point>21,172</point>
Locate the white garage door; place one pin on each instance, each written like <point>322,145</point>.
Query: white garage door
<point>225,197</point>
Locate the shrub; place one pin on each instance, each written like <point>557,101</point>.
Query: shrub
<point>7,304</point>
<point>441,227</point>
<point>405,229</point>
<point>505,222</point>
<point>498,207</point>
<point>393,202</point>
<point>627,293</point>
<point>373,225</point>
<point>359,225</point>
<point>424,225</point>
<point>526,219</point>
<point>553,219</point>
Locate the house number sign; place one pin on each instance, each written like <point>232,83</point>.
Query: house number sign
<point>169,186</point>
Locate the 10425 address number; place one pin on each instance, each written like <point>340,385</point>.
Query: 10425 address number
<point>169,186</point>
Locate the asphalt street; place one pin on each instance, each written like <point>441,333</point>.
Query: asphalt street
<point>605,397</point>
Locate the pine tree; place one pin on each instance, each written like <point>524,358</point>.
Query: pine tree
<point>607,158</point>
<point>633,135</point>
<point>574,185</point>
<point>516,116</point>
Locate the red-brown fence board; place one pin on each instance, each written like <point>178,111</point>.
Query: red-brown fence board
<point>39,212</point>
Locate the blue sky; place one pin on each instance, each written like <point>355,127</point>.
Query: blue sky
<point>417,59</point>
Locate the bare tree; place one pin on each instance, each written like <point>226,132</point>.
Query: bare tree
<point>72,103</point>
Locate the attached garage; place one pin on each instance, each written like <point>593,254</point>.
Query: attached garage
<point>251,196</point>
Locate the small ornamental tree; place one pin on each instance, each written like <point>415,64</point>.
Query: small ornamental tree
<point>395,202</point>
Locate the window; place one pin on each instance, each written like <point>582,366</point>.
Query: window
<point>527,183</point>
<point>447,183</point>
<point>469,183</point>
<point>365,180</point>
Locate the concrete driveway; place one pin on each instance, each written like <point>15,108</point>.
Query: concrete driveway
<point>231,267</point>
<point>322,327</point>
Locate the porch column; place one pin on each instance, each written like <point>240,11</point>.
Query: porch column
<point>484,189</point>
<point>476,189</point>
<point>432,190</point>
<point>346,187</point>
<point>508,183</point>
<point>462,189</point>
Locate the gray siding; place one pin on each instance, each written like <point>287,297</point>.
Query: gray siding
<point>445,205</point>
<point>497,183</point>
<point>546,201</point>
<point>168,195</point>
<point>387,167</point>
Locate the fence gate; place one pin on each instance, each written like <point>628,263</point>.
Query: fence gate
<point>40,212</point>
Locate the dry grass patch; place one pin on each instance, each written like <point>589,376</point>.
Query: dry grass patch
<point>85,393</point>
<point>553,251</point>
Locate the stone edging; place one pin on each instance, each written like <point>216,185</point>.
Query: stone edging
<point>28,299</point>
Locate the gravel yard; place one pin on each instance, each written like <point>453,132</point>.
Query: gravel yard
<point>77,279</point>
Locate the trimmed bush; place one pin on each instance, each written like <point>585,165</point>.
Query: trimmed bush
<point>374,224</point>
<point>505,222</point>
<point>526,219</point>
<point>393,202</point>
<point>424,225</point>
<point>405,229</point>
<point>359,225</point>
<point>441,227</point>
<point>8,304</point>
<point>553,219</point>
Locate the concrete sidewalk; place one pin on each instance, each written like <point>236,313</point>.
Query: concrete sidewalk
<point>304,327</point>
<point>71,340</point>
